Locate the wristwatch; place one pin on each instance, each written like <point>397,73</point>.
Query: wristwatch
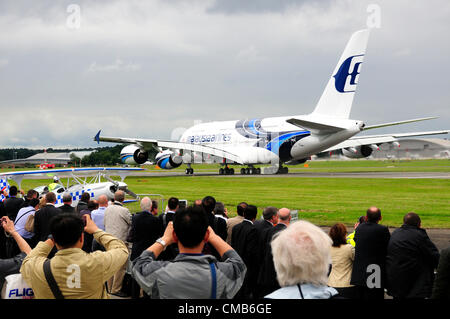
<point>162,242</point>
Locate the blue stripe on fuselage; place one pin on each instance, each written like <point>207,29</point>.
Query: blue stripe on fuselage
<point>274,145</point>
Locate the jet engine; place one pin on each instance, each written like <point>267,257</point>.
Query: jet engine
<point>358,151</point>
<point>132,154</point>
<point>168,159</point>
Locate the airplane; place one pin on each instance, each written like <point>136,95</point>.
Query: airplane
<point>280,140</point>
<point>94,186</point>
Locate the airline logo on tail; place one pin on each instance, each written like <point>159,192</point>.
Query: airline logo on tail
<point>346,78</point>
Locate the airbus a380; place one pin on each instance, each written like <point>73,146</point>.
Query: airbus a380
<point>276,140</point>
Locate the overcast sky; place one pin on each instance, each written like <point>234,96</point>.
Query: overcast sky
<point>142,68</point>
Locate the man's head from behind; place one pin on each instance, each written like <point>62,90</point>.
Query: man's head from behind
<point>190,225</point>
<point>284,216</point>
<point>67,230</point>
<point>146,204</point>
<point>50,197</point>
<point>67,198</point>
<point>250,212</point>
<point>208,204</point>
<point>103,201</point>
<point>119,196</point>
<point>172,203</point>
<point>85,197</point>
<point>270,214</point>
<point>373,214</point>
<point>13,191</point>
<point>241,208</point>
<point>412,219</point>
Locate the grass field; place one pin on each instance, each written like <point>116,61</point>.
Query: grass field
<point>358,165</point>
<point>323,201</point>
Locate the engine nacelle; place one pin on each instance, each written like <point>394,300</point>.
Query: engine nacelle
<point>296,162</point>
<point>358,151</point>
<point>132,154</point>
<point>168,160</point>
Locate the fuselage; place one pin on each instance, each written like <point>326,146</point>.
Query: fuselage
<point>268,140</point>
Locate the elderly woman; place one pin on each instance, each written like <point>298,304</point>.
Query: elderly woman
<point>301,255</point>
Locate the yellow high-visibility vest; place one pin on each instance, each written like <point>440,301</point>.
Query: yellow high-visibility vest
<point>350,239</point>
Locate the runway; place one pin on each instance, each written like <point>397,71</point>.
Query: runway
<point>394,175</point>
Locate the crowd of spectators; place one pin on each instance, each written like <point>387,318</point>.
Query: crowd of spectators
<point>99,249</point>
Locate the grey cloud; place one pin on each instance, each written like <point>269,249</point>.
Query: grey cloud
<point>157,65</point>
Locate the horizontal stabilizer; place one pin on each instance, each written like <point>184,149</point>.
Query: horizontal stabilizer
<point>398,123</point>
<point>317,127</point>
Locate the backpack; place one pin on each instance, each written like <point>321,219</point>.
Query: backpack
<point>29,224</point>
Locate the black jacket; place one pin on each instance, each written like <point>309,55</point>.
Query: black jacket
<point>68,209</point>
<point>441,287</point>
<point>245,240</point>
<point>42,221</point>
<point>81,206</point>
<point>371,248</point>
<point>267,276</point>
<point>12,206</point>
<point>171,251</point>
<point>410,263</point>
<point>219,225</point>
<point>145,230</point>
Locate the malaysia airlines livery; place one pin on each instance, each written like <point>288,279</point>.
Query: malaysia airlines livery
<point>276,140</point>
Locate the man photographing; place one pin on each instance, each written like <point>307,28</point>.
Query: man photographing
<point>76,273</point>
<point>191,274</point>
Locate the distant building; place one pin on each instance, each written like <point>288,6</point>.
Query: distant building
<point>54,158</point>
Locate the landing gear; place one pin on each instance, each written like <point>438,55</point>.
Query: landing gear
<point>189,170</point>
<point>226,171</point>
<point>283,170</point>
<point>250,170</point>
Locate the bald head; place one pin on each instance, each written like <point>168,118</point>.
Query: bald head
<point>284,215</point>
<point>102,201</point>
<point>373,214</point>
<point>119,196</point>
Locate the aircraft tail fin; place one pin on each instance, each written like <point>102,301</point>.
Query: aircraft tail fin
<point>337,98</point>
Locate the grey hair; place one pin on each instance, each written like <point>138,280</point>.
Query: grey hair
<point>67,197</point>
<point>146,204</point>
<point>301,254</point>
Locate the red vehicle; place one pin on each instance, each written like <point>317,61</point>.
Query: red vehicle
<point>46,166</point>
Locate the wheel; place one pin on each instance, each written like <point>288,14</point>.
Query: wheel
<point>242,171</point>
<point>187,171</point>
<point>191,171</point>
<point>231,171</point>
<point>258,171</point>
<point>221,171</point>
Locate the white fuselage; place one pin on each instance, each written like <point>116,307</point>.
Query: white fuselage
<point>268,140</point>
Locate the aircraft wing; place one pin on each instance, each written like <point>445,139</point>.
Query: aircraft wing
<point>379,139</point>
<point>158,144</point>
<point>18,176</point>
